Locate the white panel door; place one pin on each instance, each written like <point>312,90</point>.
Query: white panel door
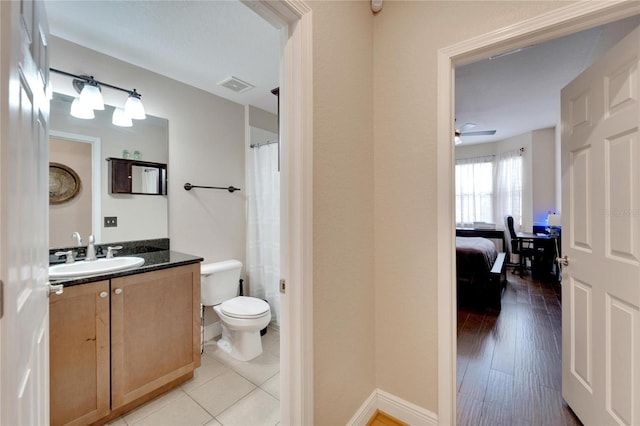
<point>24,181</point>
<point>601,238</point>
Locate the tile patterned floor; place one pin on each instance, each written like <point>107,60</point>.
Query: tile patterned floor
<point>509,366</point>
<point>223,392</point>
<point>509,372</point>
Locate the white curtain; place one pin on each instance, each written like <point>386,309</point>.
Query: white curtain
<point>474,190</point>
<point>263,233</point>
<point>509,187</point>
<point>150,181</point>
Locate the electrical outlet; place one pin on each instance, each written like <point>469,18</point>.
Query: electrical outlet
<point>110,221</point>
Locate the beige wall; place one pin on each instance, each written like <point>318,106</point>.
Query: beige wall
<point>543,166</point>
<point>206,147</point>
<point>263,119</point>
<point>343,238</point>
<point>407,36</point>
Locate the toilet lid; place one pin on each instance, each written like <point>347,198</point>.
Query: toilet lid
<point>244,307</point>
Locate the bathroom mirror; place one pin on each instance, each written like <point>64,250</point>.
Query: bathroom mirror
<point>84,145</point>
<point>137,177</point>
<point>149,179</point>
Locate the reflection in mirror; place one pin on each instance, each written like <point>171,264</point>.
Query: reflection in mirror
<point>138,216</point>
<point>137,177</point>
<point>79,214</point>
<point>146,180</point>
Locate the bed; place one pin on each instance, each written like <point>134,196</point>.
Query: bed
<point>480,271</point>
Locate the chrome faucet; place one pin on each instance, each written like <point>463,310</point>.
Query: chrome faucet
<point>78,238</point>
<point>91,250</point>
<point>68,255</point>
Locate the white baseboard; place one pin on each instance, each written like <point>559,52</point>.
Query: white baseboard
<point>366,411</point>
<point>396,407</point>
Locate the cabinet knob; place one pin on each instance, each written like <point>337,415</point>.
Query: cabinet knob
<point>118,291</point>
<point>103,294</point>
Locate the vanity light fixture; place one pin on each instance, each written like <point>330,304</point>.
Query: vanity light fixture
<point>120,118</point>
<point>81,110</point>
<point>90,94</point>
<point>133,107</point>
<point>91,98</point>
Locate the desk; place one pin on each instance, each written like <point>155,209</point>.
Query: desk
<point>544,266</point>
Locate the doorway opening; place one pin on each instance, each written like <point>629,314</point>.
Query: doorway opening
<point>546,27</point>
<point>509,365</point>
<point>93,159</point>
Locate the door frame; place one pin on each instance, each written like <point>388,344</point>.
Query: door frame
<point>96,176</point>
<point>294,19</point>
<point>548,26</point>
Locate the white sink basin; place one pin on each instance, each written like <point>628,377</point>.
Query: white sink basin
<point>100,266</point>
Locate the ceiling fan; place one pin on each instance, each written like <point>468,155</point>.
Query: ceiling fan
<point>464,131</point>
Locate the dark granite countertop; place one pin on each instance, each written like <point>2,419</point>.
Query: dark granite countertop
<point>153,261</point>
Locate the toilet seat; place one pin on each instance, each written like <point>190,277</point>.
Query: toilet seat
<point>244,307</point>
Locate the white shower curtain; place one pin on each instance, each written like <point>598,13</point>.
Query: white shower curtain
<point>263,234</point>
<point>150,181</point>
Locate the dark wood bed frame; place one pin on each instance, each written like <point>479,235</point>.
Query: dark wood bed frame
<point>485,289</point>
<point>496,283</point>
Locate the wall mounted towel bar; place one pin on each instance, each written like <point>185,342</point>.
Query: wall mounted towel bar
<point>188,187</point>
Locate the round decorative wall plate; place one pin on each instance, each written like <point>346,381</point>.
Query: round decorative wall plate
<point>64,183</point>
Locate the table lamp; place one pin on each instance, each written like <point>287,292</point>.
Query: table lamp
<point>554,223</point>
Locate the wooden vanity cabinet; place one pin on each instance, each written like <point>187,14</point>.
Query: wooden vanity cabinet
<point>110,353</point>
<point>79,354</point>
<point>155,324</point>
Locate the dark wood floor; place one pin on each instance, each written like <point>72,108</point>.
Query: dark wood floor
<point>509,365</point>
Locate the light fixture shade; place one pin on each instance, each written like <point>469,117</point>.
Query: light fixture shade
<point>133,107</point>
<point>120,118</point>
<point>91,96</point>
<point>80,110</point>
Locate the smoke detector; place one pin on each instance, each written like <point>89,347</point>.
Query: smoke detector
<point>235,84</point>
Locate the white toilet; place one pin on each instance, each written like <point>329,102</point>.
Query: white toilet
<point>242,317</point>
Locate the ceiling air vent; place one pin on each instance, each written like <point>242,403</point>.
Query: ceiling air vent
<point>235,84</point>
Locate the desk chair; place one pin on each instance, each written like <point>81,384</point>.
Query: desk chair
<point>521,246</point>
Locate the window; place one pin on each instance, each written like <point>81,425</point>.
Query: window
<point>488,188</point>
<point>474,191</point>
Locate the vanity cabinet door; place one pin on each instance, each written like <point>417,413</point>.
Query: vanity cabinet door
<point>79,354</point>
<point>155,331</point>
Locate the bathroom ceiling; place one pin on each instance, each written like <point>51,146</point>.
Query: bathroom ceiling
<point>199,43</point>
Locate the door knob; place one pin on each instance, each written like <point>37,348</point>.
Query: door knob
<point>118,291</point>
<point>55,288</point>
<point>563,260</point>
<point>103,294</point>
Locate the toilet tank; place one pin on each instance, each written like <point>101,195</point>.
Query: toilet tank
<point>219,281</point>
